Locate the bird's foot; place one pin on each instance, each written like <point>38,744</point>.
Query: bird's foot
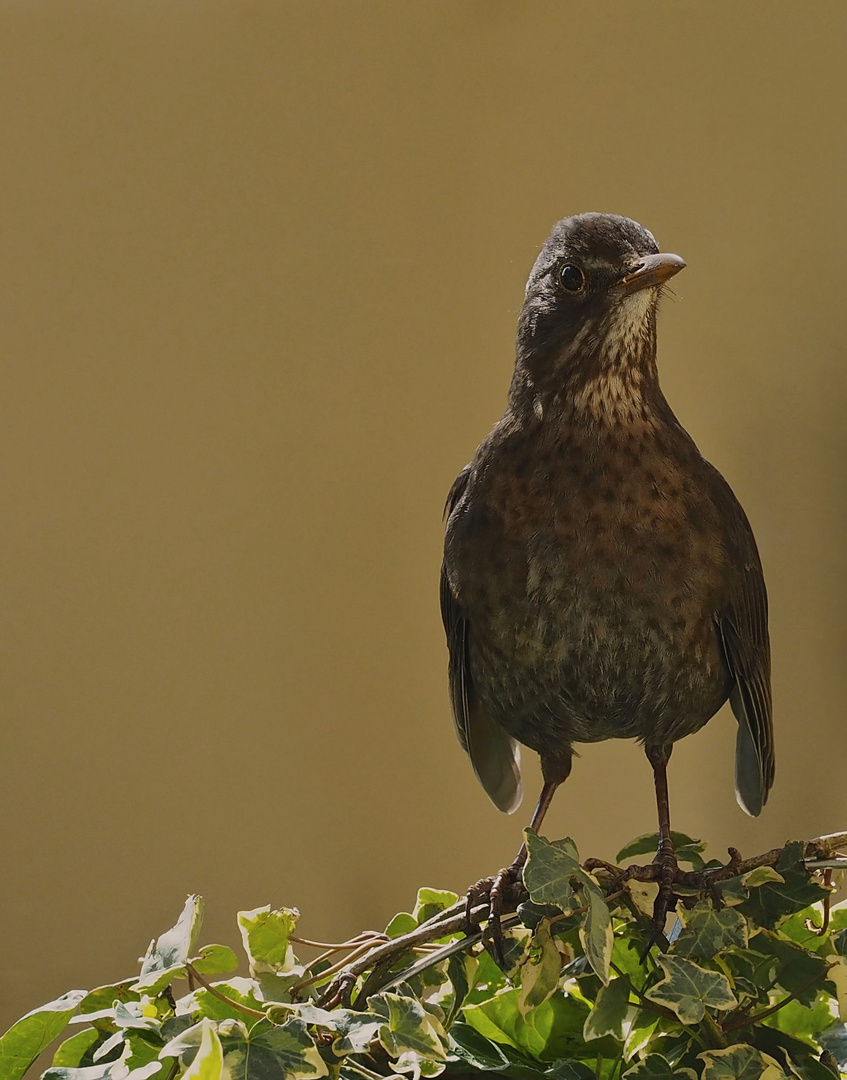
<point>501,893</point>
<point>665,872</point>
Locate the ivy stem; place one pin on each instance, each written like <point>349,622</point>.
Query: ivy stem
<point>774,1008</point>
<point>195,974</point>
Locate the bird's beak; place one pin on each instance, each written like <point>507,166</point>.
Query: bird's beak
<point>649,271</point>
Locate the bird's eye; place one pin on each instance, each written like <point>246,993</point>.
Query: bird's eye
<point>572,278</point>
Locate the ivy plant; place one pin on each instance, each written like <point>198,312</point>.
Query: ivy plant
<point>750,984</point>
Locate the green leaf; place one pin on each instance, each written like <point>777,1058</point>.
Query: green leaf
<point>708,931</point>
<point>73,1051</point>
<point>461,971</point>
<point>474,1049</point>
<point>531,914</point>
<point>409,1027</point>
<point>761,876</point>
<point>640,1033</point>
<point>208,1062</point>
<point>25,1040</point>
<point>552,1031</point>
<point>402,923</point>
<point>656,1067</point>
<point>768,904</point>
<point>215,960</point>
<point>609,1012</point>
<point>104,997</point>
<point>626,955</point>
<point>799,971</point>
<point>166,957</point>
<point>750,970</point>
<point>568,1069</point>
<point>293,1049</point>
<point>266,935</point>
<point>596,934</point>
<point>739,1063</point>
<point>540,972</point>
<point>139,1053</point>
<point>559,1021</point>
<point>357,1037</point>
<point>807,934</point>
<point>432,901</point>
<point>687,849</point>
<point>489,979</point>
<point>236,990</point>
<point>803,1022</point>
<point>688,990</point>
<point>498,1019</point>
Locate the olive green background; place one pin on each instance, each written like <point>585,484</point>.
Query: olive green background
<point>260,265</point>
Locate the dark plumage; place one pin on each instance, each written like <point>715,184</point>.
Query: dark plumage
<point>600,579</point>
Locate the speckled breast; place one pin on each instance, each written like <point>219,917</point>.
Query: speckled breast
<point>590,576</point>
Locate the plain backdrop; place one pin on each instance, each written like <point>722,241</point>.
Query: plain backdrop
<point>260,266</point>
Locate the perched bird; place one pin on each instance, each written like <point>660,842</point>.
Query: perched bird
<point>600,579</point>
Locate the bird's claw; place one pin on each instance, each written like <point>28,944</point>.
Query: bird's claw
<point>503,892</point>
<point>479,891</point>
<point>665,872</point>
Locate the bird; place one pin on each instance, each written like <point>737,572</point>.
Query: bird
<point>600,579</point>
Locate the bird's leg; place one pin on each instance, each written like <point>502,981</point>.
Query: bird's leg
<point>665,860</point>
<point>507,884</point>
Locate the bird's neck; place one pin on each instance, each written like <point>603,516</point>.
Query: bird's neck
<point>605,379</point>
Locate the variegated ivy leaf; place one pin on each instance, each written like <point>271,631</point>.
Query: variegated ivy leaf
<point>609,1012</point>
<point>552,874</point>
<point>409,1027</point>
<point>540,970</point>
<point>708,931</point>
<point>208,1063</point>
<point>657,1067</point>
<point>550,870</point>
<point>688,990</point>
<point>266,935</point>
<point>837,974</point>
<point>167,956</point>
<point>740,1062</point>
<point>25,1040</point>
<point>760,876</point>
<point>417,1065</point>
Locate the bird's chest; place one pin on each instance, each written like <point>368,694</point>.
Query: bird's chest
<point>607,556</point>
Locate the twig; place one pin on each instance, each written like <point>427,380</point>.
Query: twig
<point>451,921</point>
<point>774,1008</point>
<point>454,920</point>
<point>222,997</point>
<point>366,935</point>
<point>821,848</point>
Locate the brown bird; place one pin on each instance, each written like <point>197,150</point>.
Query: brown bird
<point>600,579</point>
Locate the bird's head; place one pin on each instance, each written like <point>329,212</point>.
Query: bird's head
<point>587,328</point>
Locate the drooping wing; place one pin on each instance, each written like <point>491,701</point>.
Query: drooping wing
<point>495,756</point>
<point>743,627</point>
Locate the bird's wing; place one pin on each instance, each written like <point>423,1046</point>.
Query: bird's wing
<point>743,628</point>
<point>495,756</point>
